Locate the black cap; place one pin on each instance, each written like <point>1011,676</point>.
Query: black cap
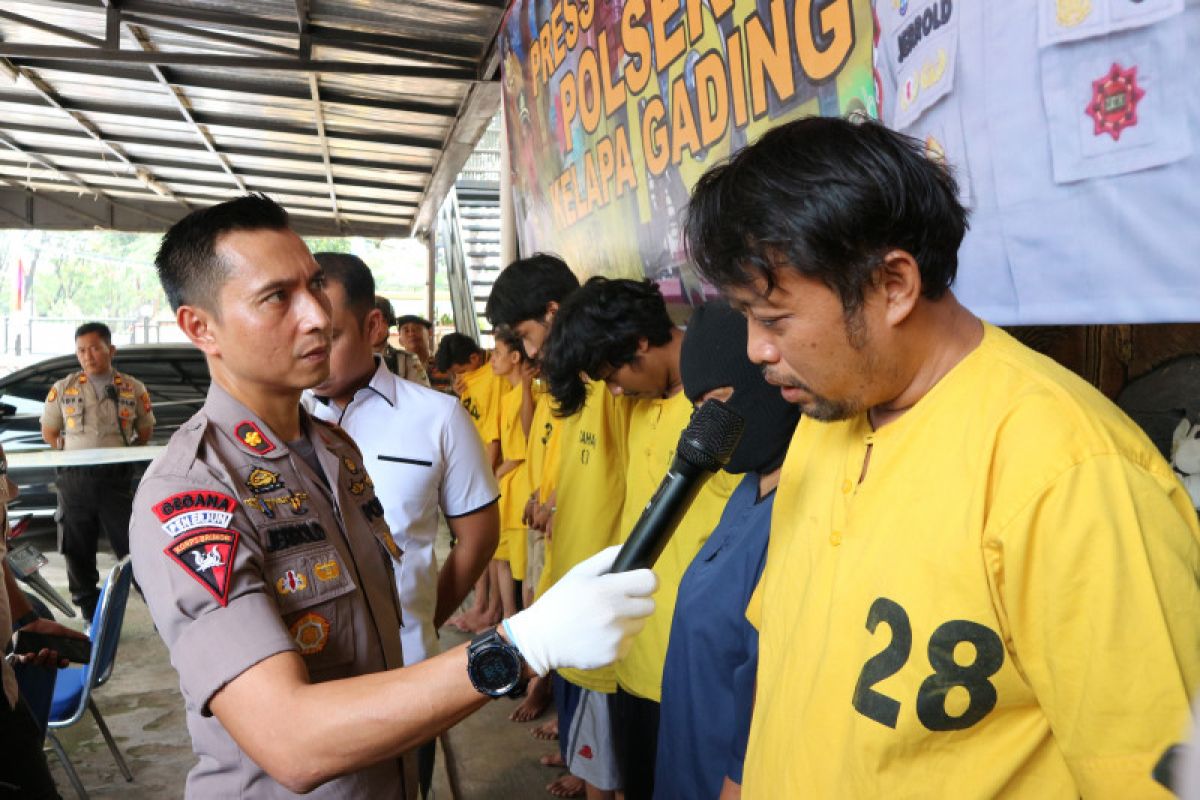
<point>407,318</point>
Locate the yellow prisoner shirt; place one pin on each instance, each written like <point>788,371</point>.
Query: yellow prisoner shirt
<point>654,430</point>
<point>1005,606</point>
<point>591,485</point>
<point>541,456</point>
<point>481,395</point>
<point>514,485</point>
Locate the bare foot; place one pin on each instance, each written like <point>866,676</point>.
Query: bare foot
<point>566,786</point>
<point>554,759</point>
<point>547,731</point>
<point>537,698</point>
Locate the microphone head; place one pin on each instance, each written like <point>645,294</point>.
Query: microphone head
<point>110,392</point>
<point>711,436</point>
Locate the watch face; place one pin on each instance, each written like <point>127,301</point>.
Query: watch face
<point>495,669</point>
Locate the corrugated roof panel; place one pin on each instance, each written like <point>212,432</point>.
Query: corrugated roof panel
<point>223,84</point>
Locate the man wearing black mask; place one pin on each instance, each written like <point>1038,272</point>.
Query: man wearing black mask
<point>708,679</point>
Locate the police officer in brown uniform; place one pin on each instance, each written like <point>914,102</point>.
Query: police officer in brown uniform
<point>262,552</point>
<point>95,407</point>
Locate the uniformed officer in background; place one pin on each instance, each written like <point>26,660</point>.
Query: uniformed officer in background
<point>267,564</point>
<point>94,407</point>
<point>401,362</point>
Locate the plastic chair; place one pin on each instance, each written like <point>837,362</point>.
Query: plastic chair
<point>73,691</point>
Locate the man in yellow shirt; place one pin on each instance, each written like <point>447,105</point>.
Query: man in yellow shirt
<point>586,458</point>
<point>619,332</point>
<point>982,577</point>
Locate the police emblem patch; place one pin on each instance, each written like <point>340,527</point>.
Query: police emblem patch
<point>261,481</point>
<point>1114,102</point>
<point>253,437</point>
<point>207,555</point>
<point>50,398</point>
<point>310,633</point>
<point>188,511</point>
<point>146,402</point>
<point>291,581</point>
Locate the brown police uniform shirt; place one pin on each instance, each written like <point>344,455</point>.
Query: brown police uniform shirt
<point>244,551</point>
<point>88,418</point>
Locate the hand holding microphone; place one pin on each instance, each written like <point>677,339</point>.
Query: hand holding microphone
<point>587,619</point>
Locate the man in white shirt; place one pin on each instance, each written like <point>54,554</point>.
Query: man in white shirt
<point>423,454</point>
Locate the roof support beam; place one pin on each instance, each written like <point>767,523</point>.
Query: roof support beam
<point>51,98</point>
<point>362,41</point>
<point>46,163</point>
<point>220,61</point>
<point>481,105</point>
<point>250,172</point>
<point>249,152</point>
<point>46,27</point>
<point>203,80</point>
<point>181,103</point>
<point>103,223</point>
<point>213,36</point>
<point>232,121</point>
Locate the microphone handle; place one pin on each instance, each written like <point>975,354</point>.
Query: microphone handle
<point>658,520</point>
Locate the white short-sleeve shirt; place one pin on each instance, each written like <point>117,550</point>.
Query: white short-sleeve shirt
<point>421,450</point>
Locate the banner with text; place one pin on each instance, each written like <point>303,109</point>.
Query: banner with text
<point>615,108</point>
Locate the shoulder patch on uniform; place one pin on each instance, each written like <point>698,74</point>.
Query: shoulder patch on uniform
<point>253,437</point>
<point>207,555</point>
<point>146,402</point>
<point>50,398</point>
<point>188,511</point>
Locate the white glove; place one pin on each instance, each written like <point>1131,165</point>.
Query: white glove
<point>587,619</point>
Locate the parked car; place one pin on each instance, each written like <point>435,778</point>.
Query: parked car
<point>176,376</point>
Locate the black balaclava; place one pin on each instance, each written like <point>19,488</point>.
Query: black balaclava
<point>713,356</point>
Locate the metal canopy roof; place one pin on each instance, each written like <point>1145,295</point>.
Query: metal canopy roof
<point>355,114</point>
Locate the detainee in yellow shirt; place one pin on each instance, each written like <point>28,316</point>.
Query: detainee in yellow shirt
<point>619,332</point>
<point>478,387</point>
<point>479,390</point>
<point>512,474</point>
<point>982,578</point>
<point>584,464</point>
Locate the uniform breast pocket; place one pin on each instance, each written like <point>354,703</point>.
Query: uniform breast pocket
<point>314,591</point>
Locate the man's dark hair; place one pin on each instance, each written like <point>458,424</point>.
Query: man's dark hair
<point>511,340</point>
<point>385,308</point>
<point>526,286</point>
<point>353,275</point>
<point>189,269</point>
<point>829,197</point>
<point>95,327</point>
<point>454,349</point>
<point>598,328</point>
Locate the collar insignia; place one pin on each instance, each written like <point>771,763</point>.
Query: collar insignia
<point>253,437</point>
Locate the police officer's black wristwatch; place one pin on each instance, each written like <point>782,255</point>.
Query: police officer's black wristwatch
<point>495,666</point>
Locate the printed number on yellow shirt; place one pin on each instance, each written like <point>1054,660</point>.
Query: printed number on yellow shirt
<point>947,672</point>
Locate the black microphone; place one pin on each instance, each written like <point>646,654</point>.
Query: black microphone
<point>704,447</point>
